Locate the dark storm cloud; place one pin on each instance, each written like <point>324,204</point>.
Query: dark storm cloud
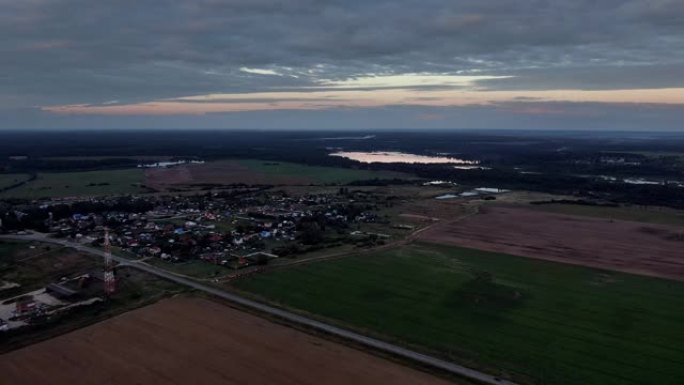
<point>125,51</point>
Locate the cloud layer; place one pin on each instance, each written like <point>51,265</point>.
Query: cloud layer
<point>128,57</point>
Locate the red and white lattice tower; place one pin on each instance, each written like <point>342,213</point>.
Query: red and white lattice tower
<point>109,279</point>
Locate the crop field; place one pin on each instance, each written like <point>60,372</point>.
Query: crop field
<point>663,216</point>
<point>533,320</point>
<point>317,174</point>
<point>654,154</point>
<point>7,180</point>
<point>86,183</point>
<point>626,246</point>
<point>197,341</point>
<point>194,268</point>
<point>257,172</point>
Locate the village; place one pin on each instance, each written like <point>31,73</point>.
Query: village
<point>229,233</point>
<point>232,230</point>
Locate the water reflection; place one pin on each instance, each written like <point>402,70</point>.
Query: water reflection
<point>399,157</point>
<point>169,163</point>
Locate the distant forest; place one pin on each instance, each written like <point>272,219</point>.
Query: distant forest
<point>563,163</point>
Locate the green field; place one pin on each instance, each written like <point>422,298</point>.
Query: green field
<point>536,321</point>
<point>194,268</point>
<point>67,184</point>
<point>319,175</point>
<point>650,153</point>
<point>34,267</point>
<point>651,215</point>
<point>7,180</point>
<point>677,155</point>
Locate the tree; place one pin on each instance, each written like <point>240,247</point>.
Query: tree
<point>261,259</point>
<point>311,233</point>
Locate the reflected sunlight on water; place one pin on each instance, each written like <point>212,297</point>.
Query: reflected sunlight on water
<point>399,157</point>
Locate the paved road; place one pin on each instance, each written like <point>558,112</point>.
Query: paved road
<point>283,314</point>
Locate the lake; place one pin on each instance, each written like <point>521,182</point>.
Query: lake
<point>169,163</point>
<point>399,157</point>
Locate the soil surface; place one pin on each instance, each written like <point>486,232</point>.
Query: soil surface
<point>197,341</point>
<point>633,247</point>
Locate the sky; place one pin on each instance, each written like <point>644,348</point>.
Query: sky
<point>342,64</point>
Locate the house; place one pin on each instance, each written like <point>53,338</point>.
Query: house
<point>60,291</point>
<point>25,305</point>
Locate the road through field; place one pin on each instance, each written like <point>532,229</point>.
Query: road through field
<point>283,314</point>
<point>470,211</point>
<point>191,340</point>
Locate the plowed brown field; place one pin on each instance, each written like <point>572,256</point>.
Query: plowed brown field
<point>197,341</point>
<point>633,247</point>
<point>220,172</point>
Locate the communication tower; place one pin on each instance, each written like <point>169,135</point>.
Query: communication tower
<point>109,279</point>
